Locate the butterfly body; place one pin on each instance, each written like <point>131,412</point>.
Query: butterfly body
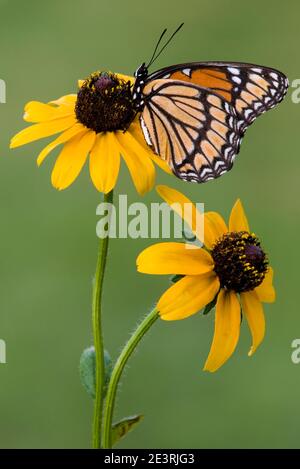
<point>194,115</point>
<point>141,75</point>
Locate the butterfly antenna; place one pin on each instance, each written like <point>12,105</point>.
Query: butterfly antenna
<point>154,57</point>
<point>156,47</point>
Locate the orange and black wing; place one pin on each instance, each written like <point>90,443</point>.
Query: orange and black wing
<point>194,129</point>
<point>250,89</point>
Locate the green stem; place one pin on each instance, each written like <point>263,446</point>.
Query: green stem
<point>117,372</point>
<point>97,333</point>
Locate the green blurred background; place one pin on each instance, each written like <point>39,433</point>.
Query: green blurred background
<point>48,241</point>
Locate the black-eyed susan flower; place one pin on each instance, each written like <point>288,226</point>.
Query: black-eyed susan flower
<point>100,122</point>
<point>231,271</point>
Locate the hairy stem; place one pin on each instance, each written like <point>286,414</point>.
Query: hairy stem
<point>117,372</point>
<point>97,333</point>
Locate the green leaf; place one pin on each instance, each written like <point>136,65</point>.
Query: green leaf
<point>87,367</point>
<point>87,370</point>
<point>210,305</point>
<point>121,428</point>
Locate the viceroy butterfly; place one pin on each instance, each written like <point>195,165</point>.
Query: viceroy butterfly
<point>194,115</point>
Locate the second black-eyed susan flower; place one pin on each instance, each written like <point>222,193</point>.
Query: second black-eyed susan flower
<point>100,121</point>
<point>232,271</point>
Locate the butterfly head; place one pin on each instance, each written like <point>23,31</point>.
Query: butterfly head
<point>141,72</point>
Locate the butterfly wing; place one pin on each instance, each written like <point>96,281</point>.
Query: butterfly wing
<point>250,89</point>
<point>192,128</point>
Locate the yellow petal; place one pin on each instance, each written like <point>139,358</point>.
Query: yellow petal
<point>63,138</point>
<point>68,100</point>
<point>161,163</point>
<point>138,162</point>
<point>40,112</point>
<point>183,207</point>
<point>71,160</point>
<point>136,132</point>
<point>174,258</point>
<point>105,162</point>
<point>266,291</point>
<point>254,313</point>
<point>44,129</point>
<point>188,296</point>
<point>126,77</point>
<point>214,228</point>
<point>238,220</point>
<point>227,330</point>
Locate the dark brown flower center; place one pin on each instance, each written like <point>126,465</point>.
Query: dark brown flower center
<point>104,103</point>
<point>240,262</point>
